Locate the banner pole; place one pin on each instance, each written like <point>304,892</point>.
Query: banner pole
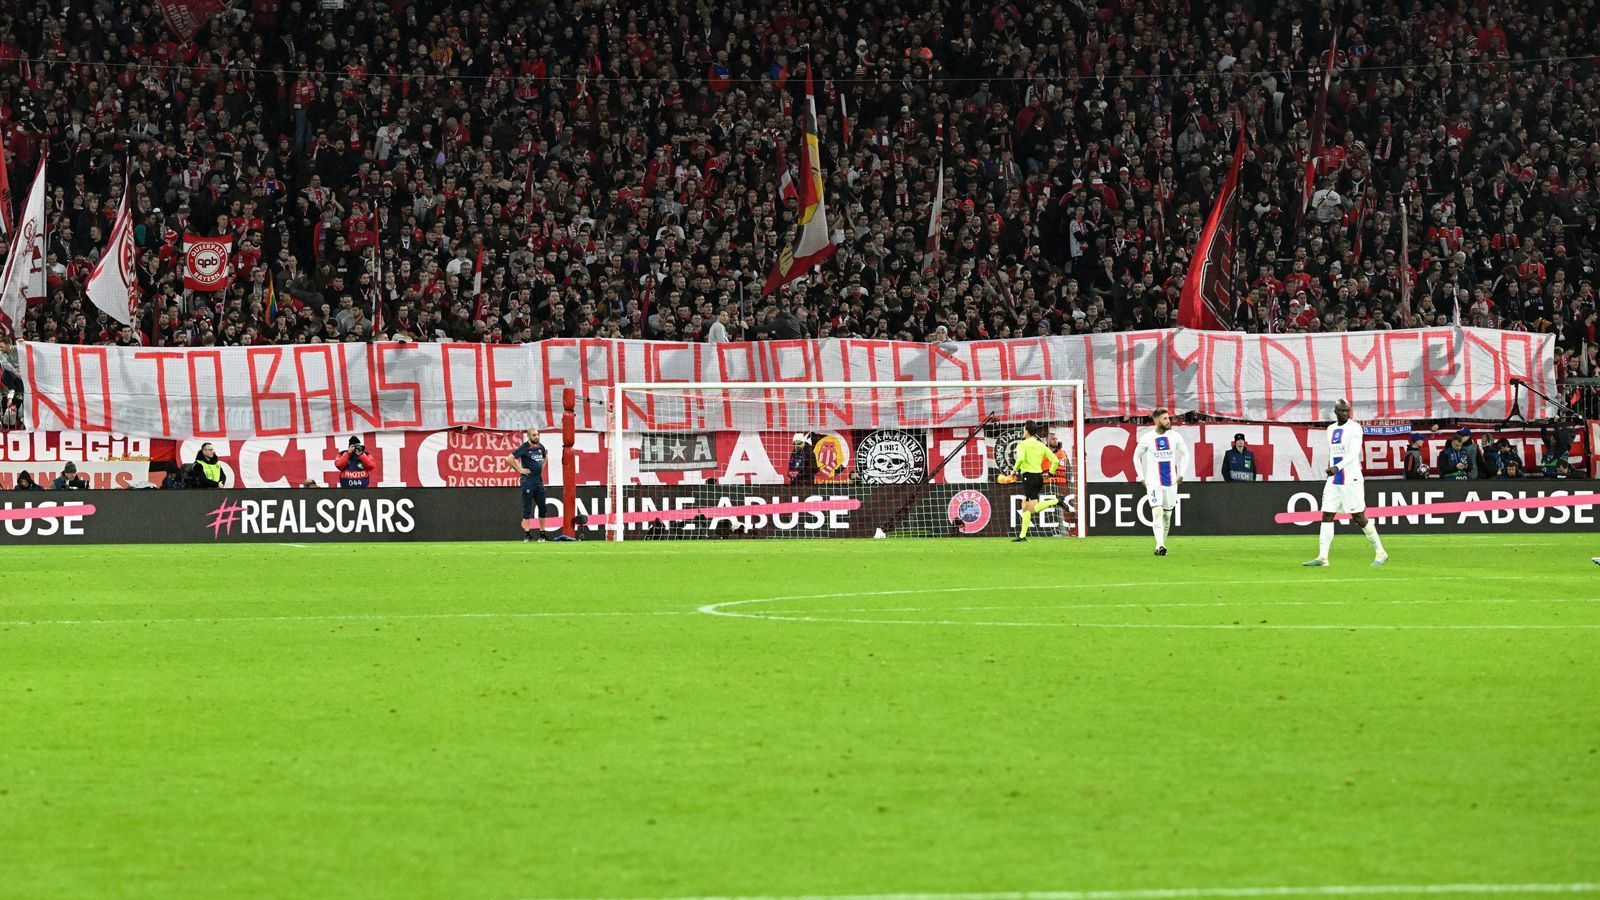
<point>569,464</point>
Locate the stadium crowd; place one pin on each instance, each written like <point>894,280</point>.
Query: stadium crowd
<point>617,165</point>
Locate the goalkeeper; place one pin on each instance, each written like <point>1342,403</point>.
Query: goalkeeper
<point>1034,459</point>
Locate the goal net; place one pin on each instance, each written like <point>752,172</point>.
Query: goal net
<point>720,461</point>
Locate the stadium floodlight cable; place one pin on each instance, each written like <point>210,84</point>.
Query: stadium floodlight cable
<point>707,460</point>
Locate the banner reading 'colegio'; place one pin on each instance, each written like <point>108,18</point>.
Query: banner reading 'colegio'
<point>321,389</point>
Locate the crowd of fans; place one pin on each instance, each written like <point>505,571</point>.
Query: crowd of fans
<point>616,165</point>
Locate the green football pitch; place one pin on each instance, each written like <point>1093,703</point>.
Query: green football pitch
<point>1075,718</point>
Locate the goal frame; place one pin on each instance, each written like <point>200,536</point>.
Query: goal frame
<point>614,490</point>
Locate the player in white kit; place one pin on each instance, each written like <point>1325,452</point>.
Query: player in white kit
<point>1345,492</point>
<point>1159,460</point>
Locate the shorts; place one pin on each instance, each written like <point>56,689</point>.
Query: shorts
<point>1350,497</point>
<point>1032,484</point>
<point>530,496</point>
<point>1162,496</point>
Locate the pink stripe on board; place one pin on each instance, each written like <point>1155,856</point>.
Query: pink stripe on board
<point>719,512</point>
<point>1458,506</point>
<point>47,512</point>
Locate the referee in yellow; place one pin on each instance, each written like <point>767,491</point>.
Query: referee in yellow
<point>1034,459</point>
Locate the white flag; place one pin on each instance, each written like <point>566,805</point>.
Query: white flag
<point>24,276</point>
<point>930,259</point>
<point>111,284</point>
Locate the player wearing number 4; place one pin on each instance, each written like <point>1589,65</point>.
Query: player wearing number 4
<point>1159,460</point>
<point>1344,492</point>
<point>1033,460</point>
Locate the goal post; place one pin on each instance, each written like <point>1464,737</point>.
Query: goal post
<point>791,459</point>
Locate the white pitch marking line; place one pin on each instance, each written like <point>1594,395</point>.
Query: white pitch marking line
<point>1249,603</point>
<point>359,617</point>
<point>1330,890</point>
<point>1309,580</point>
<point>1157,625</point>
<point>301,546</point>
<point>725,609</point>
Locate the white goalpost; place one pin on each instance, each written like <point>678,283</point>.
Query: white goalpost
<point>795,459</point>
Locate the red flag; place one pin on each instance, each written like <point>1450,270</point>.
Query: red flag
<point>810,243</point>
<point>205,262</point>
<point>844,120</point>
<point>186,17</point>
<point>5,188</point>
<point>1319,122</point>
<point>1208,300</point>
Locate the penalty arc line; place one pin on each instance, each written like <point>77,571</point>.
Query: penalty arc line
<point>1226,603</point>
<point>1244,582</point>
<point>1160,625</point>
<point>725,609</point>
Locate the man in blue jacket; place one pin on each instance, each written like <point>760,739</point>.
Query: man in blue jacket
<point>1239,464</point>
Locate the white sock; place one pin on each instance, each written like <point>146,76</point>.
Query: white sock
<point>1325,540</point>
<point>1371,531</point>
<point>1158,525</point>
<point>1166,524</point>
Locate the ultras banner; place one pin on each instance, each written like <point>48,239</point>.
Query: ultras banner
<point>321,389</point>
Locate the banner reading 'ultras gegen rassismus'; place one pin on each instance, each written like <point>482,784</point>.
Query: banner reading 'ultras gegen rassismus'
<point>321,389</point>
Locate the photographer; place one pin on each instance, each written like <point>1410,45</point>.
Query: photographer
<point>1453,462</point>
<point>70,479</point>
<point>355,465</point>
<point>25,482</point>
<point>1557,437</point>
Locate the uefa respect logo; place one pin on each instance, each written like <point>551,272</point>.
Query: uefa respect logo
<point>969,511</point>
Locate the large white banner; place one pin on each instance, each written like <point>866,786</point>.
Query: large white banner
<point>322,389</point>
